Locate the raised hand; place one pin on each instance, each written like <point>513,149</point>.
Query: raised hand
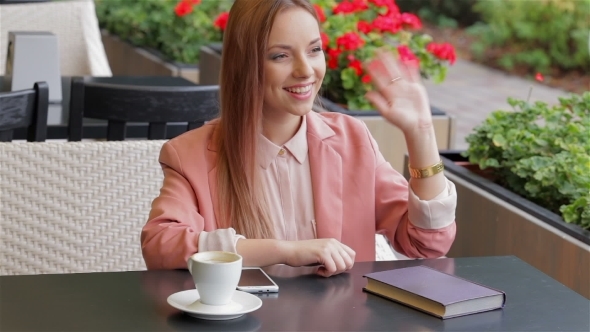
<point>399,94</point>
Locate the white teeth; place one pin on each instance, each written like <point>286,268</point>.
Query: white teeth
<point>299,90</point>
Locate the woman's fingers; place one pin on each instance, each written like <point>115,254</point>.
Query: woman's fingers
<point>338,259</point>
<point>412,71</point>
<point>409,70</point>
<point>333,256</point>
<point>390,80</point>
<point>391,75</point>
<point>378,100</point>
<point>349,256</point>
<point>340,262</point>
<point>381,75</point>
<point>329,265</point>
<point>392,65</point>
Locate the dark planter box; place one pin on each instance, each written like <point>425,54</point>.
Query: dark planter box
<point>575,231</point>
<point>129,60</point>
<point>210,59</point>
<point>493,221</point>
<point>331,106</point>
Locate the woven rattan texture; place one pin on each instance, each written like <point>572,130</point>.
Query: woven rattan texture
<point>75,207</point>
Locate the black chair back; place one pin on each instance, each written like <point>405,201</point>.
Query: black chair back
<point>157,105</point>
<point>25,109</point>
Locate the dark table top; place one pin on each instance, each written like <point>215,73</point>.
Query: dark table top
<point>57,119</point>
<point>136,301</point>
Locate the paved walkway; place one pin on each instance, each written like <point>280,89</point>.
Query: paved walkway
<point>472,91</point>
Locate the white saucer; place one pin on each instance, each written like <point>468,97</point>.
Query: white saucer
<point>188,301</point>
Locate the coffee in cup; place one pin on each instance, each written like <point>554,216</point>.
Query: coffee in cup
<point>216,275</point>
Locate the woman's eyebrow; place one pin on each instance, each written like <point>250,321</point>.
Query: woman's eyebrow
<point>288,47</point>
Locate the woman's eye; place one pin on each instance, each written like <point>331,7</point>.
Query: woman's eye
<point>279,56</point>
<point>316,49</point>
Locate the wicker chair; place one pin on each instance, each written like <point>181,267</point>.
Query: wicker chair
<point>73,22</point>
<point>76,206</point>
<point>72,207</point>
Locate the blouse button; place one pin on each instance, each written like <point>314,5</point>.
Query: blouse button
<point>282,152</point>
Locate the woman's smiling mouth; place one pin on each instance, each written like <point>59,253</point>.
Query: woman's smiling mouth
<point>300,90</point>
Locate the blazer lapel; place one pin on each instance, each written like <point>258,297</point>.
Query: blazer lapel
<point>326,179</point>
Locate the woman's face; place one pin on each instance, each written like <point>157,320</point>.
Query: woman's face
<point>294,64</point>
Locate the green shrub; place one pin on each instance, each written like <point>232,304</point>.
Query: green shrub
<point>154,24</point>
<point>541,34</point>
<point>541,153</point>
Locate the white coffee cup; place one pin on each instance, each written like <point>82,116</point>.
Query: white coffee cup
<point>216,275</point>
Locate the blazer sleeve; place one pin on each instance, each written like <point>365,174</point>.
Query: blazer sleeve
<point>172,232</point>
<point>395,203</point>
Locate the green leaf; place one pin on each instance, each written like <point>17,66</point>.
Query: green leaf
<point>499,140</point>
<point>348,77</point>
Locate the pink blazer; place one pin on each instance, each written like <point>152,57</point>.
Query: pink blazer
<point>356,193</point>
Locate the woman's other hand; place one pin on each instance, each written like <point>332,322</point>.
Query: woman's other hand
<point>333,256</point>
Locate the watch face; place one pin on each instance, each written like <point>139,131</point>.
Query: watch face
<point>426,172</point>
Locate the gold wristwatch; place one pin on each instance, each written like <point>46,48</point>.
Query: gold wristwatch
<point>421,173</point>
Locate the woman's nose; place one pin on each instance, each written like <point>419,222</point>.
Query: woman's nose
<point>303,68</point>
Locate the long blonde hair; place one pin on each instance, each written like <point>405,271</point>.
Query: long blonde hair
<point>241,196</point>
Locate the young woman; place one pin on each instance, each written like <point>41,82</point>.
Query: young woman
<point>278,183</point>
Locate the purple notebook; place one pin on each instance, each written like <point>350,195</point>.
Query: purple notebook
<point>435,292</point>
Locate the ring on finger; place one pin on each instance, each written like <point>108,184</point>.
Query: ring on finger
<point>395,79</point>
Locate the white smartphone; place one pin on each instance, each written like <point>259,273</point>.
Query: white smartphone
<point>255,280</point>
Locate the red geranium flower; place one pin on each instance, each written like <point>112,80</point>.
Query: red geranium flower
<point>444,51</point>
<point>381,3</point>
<point>360,5</point>
<point>344,7</point>
<point>392,8</point>
<point>539,77</point>
<point>411,20</point>
<point>406,55</point>
<point>183,8</point>
<point>333,55</point>
<point>347,7</point>
<point>325,40</point>
<point>364,27</point>
<point>320,12</point>
<point>366,78</point>
<point>333,63</point>
<point>334,52</point>
<point>389,23</point>
<point>350,41</point>
<point>356,65</point>
<point>221,20</point>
